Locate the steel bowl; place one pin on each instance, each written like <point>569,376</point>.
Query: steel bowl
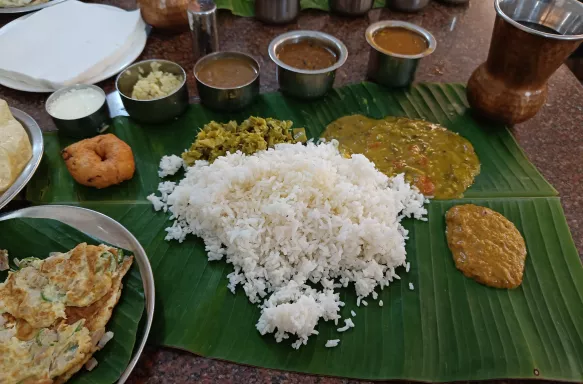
<point>393,69</point>
<point>227,99</point>
<point>158,110</point>
<point>351,7</point>
<point>83,127</point>
<point>407,5</point>
<point>105,229</point>
<point>277,11</point>
<point>302,83</point>
<point>454,2</point>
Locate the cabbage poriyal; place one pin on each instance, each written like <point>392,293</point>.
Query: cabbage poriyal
<point>252,135</point>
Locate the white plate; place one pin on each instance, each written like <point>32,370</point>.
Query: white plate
<point>35,136</point>
<point>129,57</point>
<point>30,8</point>
<point>106,229</point>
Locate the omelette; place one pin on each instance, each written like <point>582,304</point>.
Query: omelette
<point>53,312</point>
<point>15,147</point>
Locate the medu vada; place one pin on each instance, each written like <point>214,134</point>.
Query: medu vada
<point>100,162</point>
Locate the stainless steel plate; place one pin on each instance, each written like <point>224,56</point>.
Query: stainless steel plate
<point>30,8</point>
<point>134,51</point>
<point>104,228</point>
<point>36,140</point>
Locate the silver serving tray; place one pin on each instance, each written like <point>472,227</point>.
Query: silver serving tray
<point>35,136</point>
<point>129,57</point>
<point>30,8</point>
<point>104,228</point>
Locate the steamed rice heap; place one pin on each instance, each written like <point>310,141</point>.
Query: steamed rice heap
<point>292,215</point>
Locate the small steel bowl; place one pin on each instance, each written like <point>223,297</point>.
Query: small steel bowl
<point>393,69</point>
<point>455,2</point>
<point>87,126</point>
<point>156,110</point>
<point>227,99</point>
<point>351,7</point>
<point>407,5</point>
<point>277,11</point>
<point>303,83</point>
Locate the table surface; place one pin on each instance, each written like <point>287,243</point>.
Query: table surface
<point>553,140</point>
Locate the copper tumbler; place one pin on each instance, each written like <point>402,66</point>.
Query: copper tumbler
<point>531,39</point>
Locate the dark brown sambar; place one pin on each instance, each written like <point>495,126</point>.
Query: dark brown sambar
<point>400,40</point>
<point>307,54</point>
<point>226,72</point>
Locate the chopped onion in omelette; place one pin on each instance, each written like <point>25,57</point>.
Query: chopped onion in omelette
<point>53,312</point>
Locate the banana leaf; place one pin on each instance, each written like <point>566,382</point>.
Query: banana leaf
<point>37,237</point>
<point>246,7</point>
<point>448,328</point>
<point>505,170</point>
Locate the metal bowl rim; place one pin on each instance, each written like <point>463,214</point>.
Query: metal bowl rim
<point>313,34</point>
<point>60,91</point>
<point>370,31</point>
<point>123,71</point>
<point>534,31</point>
<point>37,143</point>
<point>346,12</point>
<point>210,56</point>
<point>208,11</point>
<point>49,212</point>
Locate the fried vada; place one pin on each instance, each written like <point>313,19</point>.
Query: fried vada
<point>100,162</point>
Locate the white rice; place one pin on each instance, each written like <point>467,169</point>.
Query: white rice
<point>407,266</point>
<point>353,313</point>
<point>332,343</point>
<point>374,295</point>
<point>411,287</point>
<point>169,165</point>
<point>290,215</point>
<point>364,302</point>
<point>348,323</point>
<point>380,303</point>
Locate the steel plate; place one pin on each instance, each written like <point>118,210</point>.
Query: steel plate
<point>35,136</point>
<point>106,229</point>
<point>133,52</point>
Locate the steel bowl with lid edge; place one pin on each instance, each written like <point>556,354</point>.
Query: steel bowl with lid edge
<point>231,98</point>
<point>407,5</point>
<point>351,7</point>
<point>304,83</point>
<point>277,11</point>
<point>393,69</point>
<point>158,110</point>
<point>83,127</point>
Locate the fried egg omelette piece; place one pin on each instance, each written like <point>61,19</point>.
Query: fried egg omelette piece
<point>90,275</point>
<point>42,289</point>
<point>51,353</point>
<point>96,316</point>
